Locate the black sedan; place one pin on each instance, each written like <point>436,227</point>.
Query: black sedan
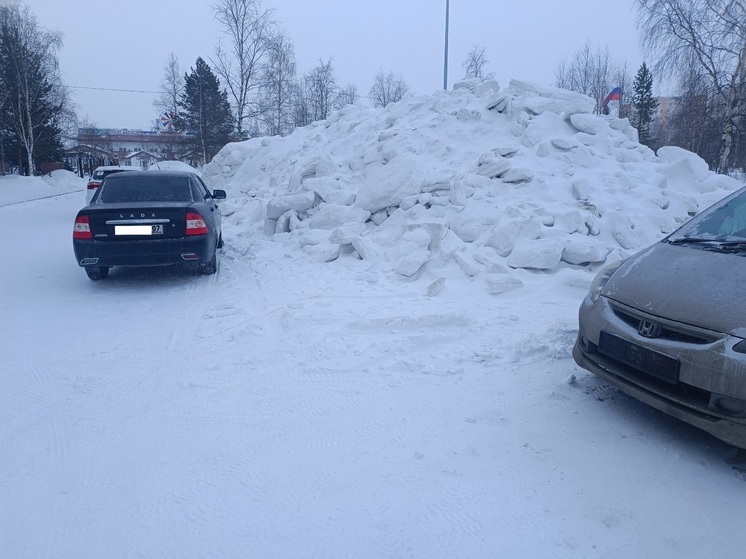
<point>157,218</point>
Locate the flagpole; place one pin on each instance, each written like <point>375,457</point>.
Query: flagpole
<point>445,57</point>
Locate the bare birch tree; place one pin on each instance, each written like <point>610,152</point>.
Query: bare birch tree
<point>591,73</point>
<point>277,89</point>
<point>239,65</point>
<point>172,87</point>
<point>714,33</point>
<point>321,90</point>
<point>34,95</point>
<point>387,88</point>
<point>348,95</point>
<point>474,65</point>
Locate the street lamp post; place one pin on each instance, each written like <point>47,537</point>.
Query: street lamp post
<point>445,58</point>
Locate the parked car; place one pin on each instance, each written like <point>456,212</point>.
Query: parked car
<point>99,174</point>
<point>668,325</point>
<point>158,218</point>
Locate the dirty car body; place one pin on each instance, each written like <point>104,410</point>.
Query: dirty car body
<point>668,325</point>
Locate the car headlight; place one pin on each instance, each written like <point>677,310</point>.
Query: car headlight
<point>600,280</point>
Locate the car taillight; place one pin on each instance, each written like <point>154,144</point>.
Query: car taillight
<point>82,228</point>
<point>195,224</point>
<point>93,185</point>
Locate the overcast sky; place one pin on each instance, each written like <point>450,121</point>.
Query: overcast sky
<point>125,45</point>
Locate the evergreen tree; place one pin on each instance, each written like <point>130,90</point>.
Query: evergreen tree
<point>644,103</point>
<point>205,112</point>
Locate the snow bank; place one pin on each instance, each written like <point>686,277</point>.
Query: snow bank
<point>15,189</point>
<point>525,178</point>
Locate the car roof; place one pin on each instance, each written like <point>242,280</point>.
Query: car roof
<point>164,173</point>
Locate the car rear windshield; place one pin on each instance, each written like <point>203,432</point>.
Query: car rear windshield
<point>119,188</point>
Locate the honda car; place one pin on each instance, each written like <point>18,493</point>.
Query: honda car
<point>668,325</point>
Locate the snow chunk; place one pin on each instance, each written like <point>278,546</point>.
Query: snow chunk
<point>590,124</point>
<point>390,184</point>
<point>331,216</point>
<point>541,254</point>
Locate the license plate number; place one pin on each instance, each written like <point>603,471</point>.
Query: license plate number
<point>139,230</point>
<point>641,358</point>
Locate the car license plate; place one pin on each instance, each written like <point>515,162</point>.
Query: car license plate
<point>641,358</point>
<point>138,229</point>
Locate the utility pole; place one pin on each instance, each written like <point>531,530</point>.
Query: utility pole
<point>445,58</point>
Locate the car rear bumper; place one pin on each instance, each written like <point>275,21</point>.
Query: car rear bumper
<point>151,252</point>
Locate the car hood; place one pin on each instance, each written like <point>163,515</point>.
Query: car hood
<point>697,287</point>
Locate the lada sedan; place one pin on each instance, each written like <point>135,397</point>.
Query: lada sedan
<point>668,325</point>
<point>158,218</point>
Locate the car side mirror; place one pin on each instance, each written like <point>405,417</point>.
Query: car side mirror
<point>218,194</point>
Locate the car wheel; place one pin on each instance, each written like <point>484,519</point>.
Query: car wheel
<point>212,266</point>
<point>97,273</point>
<point>220,241</point>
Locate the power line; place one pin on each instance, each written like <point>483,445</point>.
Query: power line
<point>112,89</point>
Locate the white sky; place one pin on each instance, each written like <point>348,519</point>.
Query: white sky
<point>125,45</point>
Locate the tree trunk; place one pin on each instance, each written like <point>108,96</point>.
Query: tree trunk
<point>726,141</point>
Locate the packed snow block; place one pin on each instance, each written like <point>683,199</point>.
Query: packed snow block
<point>283,223</point>
<point>380,216</point>
<point>506,150</point>
<point>493,167</point>
<point>467,264</point>
<point>498,102</point>
<point>465,115</point>
<point>466,228</point>
<point>411,263</point>
<point>498,283</point>
<point>436,287</point>
<point>570,222</point>
<point>504,236</point>
<point>581,189</point>
<point>539,254</point>
<point>366,249</point>
<point>390,184</point>
<point>564,144</point>
<point>539,105</point>
<point>590,124</point>
<point>487,87</point>
<point>689,162</point>
<point>450,243</point>
<point>324,252</point>
<point>541,127</point>
<point>469,84</point>
<point>515,176</point>
<point>331,216</point>
<point>345,234</point>
<point>298,202</point>
<point>270,226</point>
<point>583,250</point>
<point>623,231</point>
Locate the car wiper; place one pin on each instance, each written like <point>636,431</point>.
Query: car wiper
<point>711,244</point>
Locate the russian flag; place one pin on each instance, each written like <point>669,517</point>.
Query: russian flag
<point>615,95</point>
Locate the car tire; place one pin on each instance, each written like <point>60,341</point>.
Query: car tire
<point>212,266</point>
<point>220,241</point>
<point>97,273</point>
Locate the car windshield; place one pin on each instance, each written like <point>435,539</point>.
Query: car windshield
<point>724,223</point>
<point>119,188</point>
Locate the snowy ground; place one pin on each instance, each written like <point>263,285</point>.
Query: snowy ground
<point>307,403</point>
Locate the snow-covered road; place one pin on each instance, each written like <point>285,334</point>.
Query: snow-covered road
<point>289,408</point>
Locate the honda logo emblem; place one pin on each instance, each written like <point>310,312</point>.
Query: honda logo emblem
<point>649,329</point>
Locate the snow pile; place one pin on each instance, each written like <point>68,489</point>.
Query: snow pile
<point>491,181</point>
<point>15,189</point>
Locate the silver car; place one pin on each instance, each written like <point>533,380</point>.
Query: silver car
<point>668,325</point>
